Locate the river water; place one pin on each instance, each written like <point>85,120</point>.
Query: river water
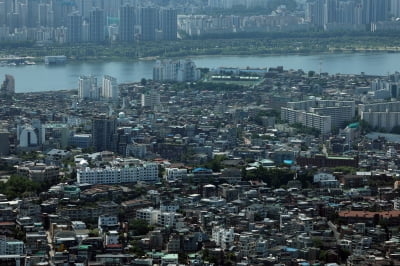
<point>40,77</point>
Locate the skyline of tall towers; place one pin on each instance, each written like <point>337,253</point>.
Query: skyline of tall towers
<point>97,26</point>
<point>324,12</point>
<point>147,23</point>
<point>127,23</point>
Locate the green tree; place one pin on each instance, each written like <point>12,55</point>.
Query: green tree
<point>396,130</point>
<point>139,227</point>
<point>94,232</point>
<point>216,163</point>
<point>17,186</point>
<point>136,249</point>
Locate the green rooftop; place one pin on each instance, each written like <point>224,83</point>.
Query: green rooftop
<point>171,257</point>
<point>354,125</point>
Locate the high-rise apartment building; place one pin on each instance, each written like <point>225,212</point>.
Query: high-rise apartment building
<point>109,89</point>
<point>346,13</point>
<point>330,11</point>
<point>74,32</point>
<point>87,88</point>
<point>84,7</point>
<point>168,24</point>
<point>97,26</point>
<point>4,142</point>
<point>103,130</point>
<point>325,12</point>
<point>8,85</point>
<point>148,23</point>
<point>61,10</point>
<point>111,7</point>
<point>381,115</point>
<point>45,15</point>
<point>3,14</point>
<point>127,23</point>
<point>33,13</point>
<point>315,12</point>
<point>395,8</point>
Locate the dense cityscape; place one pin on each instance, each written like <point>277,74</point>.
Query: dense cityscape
<point>100,21</point>
<point>224,166</point>
<point>197,165</point>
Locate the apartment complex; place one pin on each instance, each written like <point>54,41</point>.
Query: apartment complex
<point>175,70</point>
<point>146,172</point>
<point>323,115</point>
<point>384,115</point>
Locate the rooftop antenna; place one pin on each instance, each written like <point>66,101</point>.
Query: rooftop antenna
<point>320,66</point>
<point>110,111</point>
<point>123,103</point>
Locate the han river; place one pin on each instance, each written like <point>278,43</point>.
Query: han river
<point>40,77</point>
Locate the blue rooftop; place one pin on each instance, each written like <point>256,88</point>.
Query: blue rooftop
<point>200,169</point>
<point>291,249</point>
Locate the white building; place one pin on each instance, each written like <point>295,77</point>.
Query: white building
<point>28,137</point>
<point>166,219</point>
<point>78,225</point>
<point>323,115</point>
<point>87,88</point>
<point>149,215</point>
<point>381,115</point>
<point>150,99</point>
<point>321,123</point>
<point>146,172</point>
<point>176,70</point>
<point>112,238</point>
<point>223,237</point>
<point>153,216</point>
<point>175,174</point>
<point>109,90</point>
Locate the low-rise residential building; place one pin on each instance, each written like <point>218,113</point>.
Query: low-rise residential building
<point>146,172</point>
<point>39,172</point>
<point>9,246</point>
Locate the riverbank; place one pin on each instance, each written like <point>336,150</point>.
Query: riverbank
<point>264,46</point>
